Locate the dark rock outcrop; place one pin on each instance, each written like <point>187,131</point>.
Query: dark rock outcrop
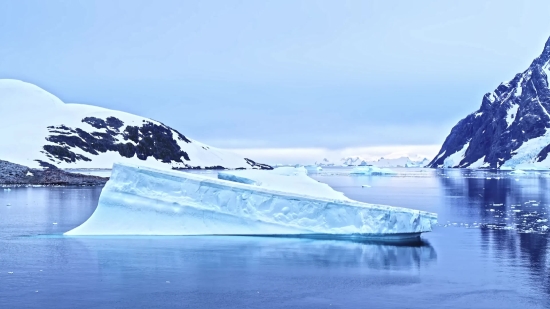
<point>147,140</point>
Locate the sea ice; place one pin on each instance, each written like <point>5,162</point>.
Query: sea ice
<point>145,201</point>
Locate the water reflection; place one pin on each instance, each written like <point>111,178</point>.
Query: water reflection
<point>498,200</point>
<point>512,250</point>
<point>511,215</point>
<point>99,269</point>
<point>250,250</point>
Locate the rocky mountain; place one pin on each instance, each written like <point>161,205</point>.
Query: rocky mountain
<point>510,129</point>
<point>39,130</point>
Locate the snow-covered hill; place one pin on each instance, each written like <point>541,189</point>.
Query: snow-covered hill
<point>38,129</point>
<point>510,129</point>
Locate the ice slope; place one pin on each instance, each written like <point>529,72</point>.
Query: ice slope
<point>37,126</point>
<point>145,201</point>
<point>288,179</point>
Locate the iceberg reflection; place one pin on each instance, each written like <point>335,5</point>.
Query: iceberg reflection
<point>196,251</point>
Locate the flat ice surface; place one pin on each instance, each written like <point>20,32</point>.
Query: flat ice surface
<point>144,201</point>
<point>287,179</point>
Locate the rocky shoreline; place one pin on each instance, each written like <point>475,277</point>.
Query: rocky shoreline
<point>17,175</point>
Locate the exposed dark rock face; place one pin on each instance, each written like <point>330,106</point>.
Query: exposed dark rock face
<point>217,167</point>
<point>15,174</point>
<point>147,140</point>
<point>142,141</point>
<point>511,126</point>
<point>258,165</point>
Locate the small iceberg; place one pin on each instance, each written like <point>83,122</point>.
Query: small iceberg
<point>281,202</point>
<point>371,170</point>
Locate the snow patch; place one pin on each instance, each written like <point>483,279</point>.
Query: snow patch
<point>526,154</point>
<point>519,88</point>
<point>491,96</point>
<point>455,158</point>
<point>511,114</point>
<point>477,164</point>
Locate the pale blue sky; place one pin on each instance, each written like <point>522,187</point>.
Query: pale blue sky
<point>277,74</point>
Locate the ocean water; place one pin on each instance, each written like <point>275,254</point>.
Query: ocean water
<point>490,250</point>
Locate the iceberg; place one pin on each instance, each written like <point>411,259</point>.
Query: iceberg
<point>371,170</point>
<point>145,201</point>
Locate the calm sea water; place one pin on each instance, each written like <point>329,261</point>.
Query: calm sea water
<point>491,250</point>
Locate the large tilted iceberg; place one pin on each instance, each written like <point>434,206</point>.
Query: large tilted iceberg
<point>145,201</point>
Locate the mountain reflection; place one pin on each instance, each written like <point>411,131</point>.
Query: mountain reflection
<point>521,250</point>
<point>498,200</point>
<point>512,216</point>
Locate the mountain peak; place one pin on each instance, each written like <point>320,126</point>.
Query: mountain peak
<point>511,128</point>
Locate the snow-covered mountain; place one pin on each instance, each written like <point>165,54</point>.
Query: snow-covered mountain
<point>510,129</point>
<point>325,162</point>
<point>348,161</point>
<point>353,161</point>
<point>382,162</point>
<point>400,162</point>
<point>38,129</point>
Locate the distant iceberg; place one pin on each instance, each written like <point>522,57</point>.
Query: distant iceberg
<point>313,169</point>
<point>371,170</point>
<point>145,201</point>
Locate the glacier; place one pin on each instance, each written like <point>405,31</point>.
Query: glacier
<point>145,201</point>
